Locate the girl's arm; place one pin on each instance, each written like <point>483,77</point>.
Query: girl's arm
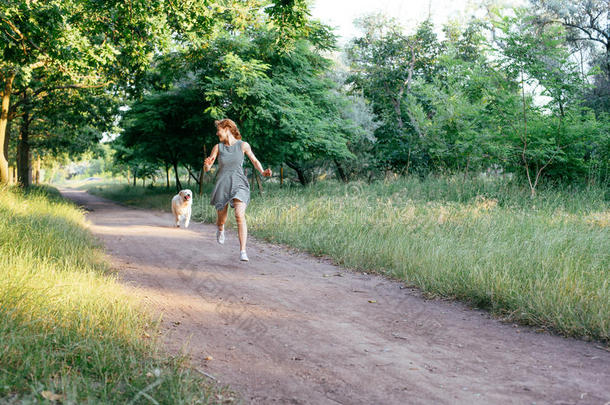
<point>257,165</point>
<point>209,161</point>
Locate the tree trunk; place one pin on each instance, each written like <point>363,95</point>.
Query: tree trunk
<point>191,174</point>
<point>135,175</point>
<point>205,154</point>
<point>341,171</point>
<point>7,138</point>
<point>300,173</point>
<point>37,170</point>
<point>258,182</point>
<point>608,59</point>
<point>178,184</point>
<point>281,176</point>
<point>524,140</point>
<point>532,192</point>
<point>398,111</point>
<point>302,177</point>
<point>6,98</point>
<point>23,150</point>
<point>167,176</point>
<point>51,175</point>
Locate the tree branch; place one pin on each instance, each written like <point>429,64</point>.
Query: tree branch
<point>545,165</point>
<point>64,87</point>
<point>583,29</point>
<point>592,22</point>
<point>191,173</point>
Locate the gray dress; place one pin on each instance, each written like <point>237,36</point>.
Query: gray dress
<point>231,182</point>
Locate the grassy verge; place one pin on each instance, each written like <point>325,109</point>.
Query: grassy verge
<point>68,331</point>
<point>543,262</point>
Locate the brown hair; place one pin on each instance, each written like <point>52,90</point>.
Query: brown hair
<point>227,123</point>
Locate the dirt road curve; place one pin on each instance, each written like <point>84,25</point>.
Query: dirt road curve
<point>287,328</point>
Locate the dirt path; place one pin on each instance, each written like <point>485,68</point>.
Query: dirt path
<point>288,328</point>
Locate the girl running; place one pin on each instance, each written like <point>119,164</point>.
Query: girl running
<point>232,186</point>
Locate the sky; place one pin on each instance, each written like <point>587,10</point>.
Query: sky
<point>341,13</point>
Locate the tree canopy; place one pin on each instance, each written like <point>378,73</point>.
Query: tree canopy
<point>522,92</point>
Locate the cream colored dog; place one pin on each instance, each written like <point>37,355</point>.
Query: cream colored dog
<point>181,207</point>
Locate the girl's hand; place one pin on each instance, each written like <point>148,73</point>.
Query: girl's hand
<point>207,163</point>
<point>267,173</point>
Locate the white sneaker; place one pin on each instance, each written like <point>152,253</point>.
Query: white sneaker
<point>243,256</point>
<point>220,236</point>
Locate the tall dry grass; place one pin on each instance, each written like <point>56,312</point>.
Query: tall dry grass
<point>542,261</point>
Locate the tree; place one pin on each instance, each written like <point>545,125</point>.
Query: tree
<point>587,31</point>
<point>356,113</point>
<point>282,102</point>
<point>56,45</point>
<point>584,20</point>
<point>451,105</point>
<point>50,46</point>
<point>162,129</point>
<point>385,64</point>
<point>71,123</point>
<point>533,56</point>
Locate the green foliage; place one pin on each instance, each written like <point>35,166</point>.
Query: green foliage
<point>532,54</point>
<point>501,94</point>
<point>560,134</point>
<point>163,127</point>
<point>385,62</point>
<point>290,21</point>
<point>72,122</point>
<point>467,103</point>
<point>283,103</point>
<point>69,42</point>
<point>50,47</point>
<point>587,34</point>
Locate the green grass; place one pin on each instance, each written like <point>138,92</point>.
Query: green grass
<point>67,327</point>
<point>542,261</point>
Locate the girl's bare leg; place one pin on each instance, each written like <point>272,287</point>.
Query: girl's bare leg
<point>222,217</point>
<point>240,219</point>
